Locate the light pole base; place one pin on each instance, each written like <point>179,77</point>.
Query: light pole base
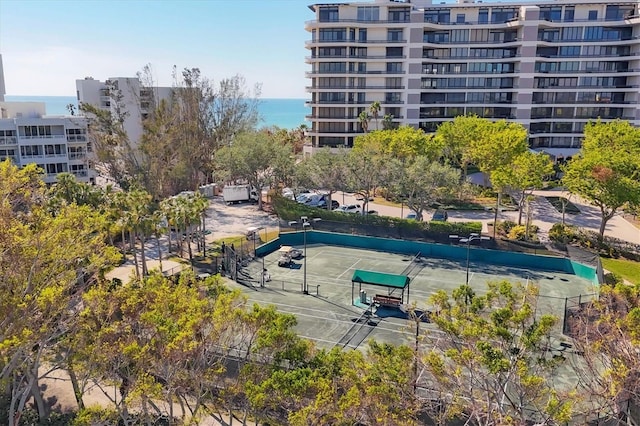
<point>305,291</point>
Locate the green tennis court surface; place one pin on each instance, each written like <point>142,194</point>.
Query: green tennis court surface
<point>329,316</point>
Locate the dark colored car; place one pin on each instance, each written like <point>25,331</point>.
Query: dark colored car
<point>440,215</point>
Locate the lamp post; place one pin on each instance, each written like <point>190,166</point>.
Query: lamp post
<point>472,237</point>
<point>306,223</point>
<point>305,288</point>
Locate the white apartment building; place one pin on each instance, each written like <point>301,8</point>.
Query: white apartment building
<point>124,93</point>
<point>55,143</point>
<point>550,65</point>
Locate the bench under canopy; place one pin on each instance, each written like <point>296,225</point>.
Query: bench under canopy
<point>392,282</point>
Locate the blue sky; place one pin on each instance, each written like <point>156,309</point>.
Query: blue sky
<point>47,45</point>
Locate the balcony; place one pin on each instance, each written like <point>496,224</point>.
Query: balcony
<point>76,138</point>
<point>8,140</point>
<point>77,156</point>
<point>354,41</point>
<point>42,137</point>
<point>476,58</point>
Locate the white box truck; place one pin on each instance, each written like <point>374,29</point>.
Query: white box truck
<point>239,193</point>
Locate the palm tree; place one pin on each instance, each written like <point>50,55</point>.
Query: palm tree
<point>363,118</point>
<point>374,109</point>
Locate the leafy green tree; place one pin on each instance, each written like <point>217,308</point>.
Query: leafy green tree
<point>607,171</point>
<point>365,172</point>
<point>427,182</point>
<point>525,174</point>
<point>457,137</point>
<point>403,143</point>
<point>47,260</point>
<point>251,159</point>
<point>111,144</point>
<point>489,363</point>
<point>607,334</point>
<point>327,171</point>
<point>156,341</point>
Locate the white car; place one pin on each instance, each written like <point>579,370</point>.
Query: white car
<point>349,208</point>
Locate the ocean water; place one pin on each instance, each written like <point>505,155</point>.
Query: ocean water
<point>284,113</point>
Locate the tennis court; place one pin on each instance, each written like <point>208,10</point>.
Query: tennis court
<point>330,316</point>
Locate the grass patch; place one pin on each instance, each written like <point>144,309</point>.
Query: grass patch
<point>627,269</point>
<point>557,203</point>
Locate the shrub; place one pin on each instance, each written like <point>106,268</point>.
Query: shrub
<point>505,226</point>
<point>518,232</point>
<point>562,233</point>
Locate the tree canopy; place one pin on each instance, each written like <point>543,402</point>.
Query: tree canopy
<point>607,171</point>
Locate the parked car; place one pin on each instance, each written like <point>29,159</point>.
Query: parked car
<point>350,208</point>
<point>412,216</point>
<point>370,213</point>
<point>302,198</point>
<point>323,204</point>
<point>362,197</point>
<point>440,215</point>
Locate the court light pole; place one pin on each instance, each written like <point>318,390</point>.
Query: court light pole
<point>305,288</point>
<point>472,237</point>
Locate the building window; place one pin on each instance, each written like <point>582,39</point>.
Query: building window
<point>399,15</point>
<point>362,35</point>
<point>483,16</point>
<point>593,15</point>
<point>393,97</point>
<point>328,14</point>
<point>394,67</point>
<point>501,15</point>
<point>368,13</point>
<point>333,34</point>
<point>553,13</point>
<point>394,52</point>
<point>569,13</point>
<point>440,16</point>
<point>393,82</point>
<point>460,18</point>
<point>394,34</point>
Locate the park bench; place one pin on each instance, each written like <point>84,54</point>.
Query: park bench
<point>389,301</point>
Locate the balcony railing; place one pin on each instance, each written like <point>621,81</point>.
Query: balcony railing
<point>77,156</point>
<point>607,20</point>
<point>477,58</point>
<point>447,74</point>
<point>631,70</point>
<point>356,57</point>
<point>359,21</point>
<point>42,137</point>
<point>8,140</point>
<point>355,41</point>
<point>464,43</point>
<point>310,73</point>
<point>347,87</point>
<point>76,138</point>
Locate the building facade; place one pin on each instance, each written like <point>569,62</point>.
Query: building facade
<point>124,96</point>
<point>551,65</point>
<point>55,143</point>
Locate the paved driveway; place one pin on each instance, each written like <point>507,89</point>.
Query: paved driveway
<point>543,213</point>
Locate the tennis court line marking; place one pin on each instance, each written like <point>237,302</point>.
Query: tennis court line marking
<point>348,269</point>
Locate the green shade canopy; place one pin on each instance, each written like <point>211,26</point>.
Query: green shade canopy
<point>380,278</point>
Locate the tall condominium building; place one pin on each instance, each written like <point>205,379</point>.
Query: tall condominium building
<point>550,65</point>
<point>55,143</point>
<point>124,96</point>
